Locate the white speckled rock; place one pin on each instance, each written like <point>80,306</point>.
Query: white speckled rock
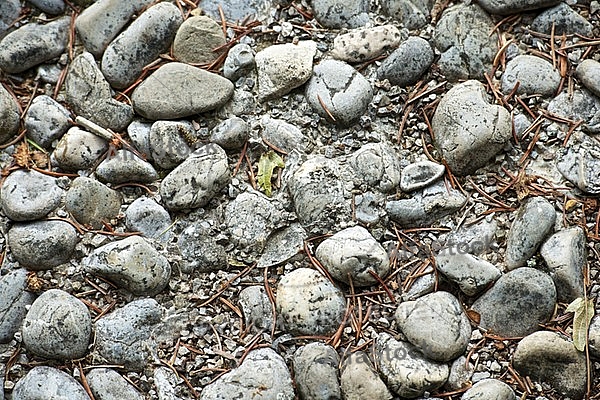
<point>534,74</point>
<point>91,202</point>
<point>407,63</point>
<point>46,120</point>
<point>56,385</point>
<point>365,43</point>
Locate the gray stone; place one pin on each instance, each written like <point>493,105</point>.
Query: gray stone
<point>377,165</point>
<point>132,263</point>
<point>29,195</point>
<point>14,300</point>
<point>420,174</point>
<point>579,162</point>
<point>125,335</point>
<point>363,44</point>
<point>407,63</point>
<point>262,371</point>
<point>283,245</point>
<point>535,75</point>
<point>461,373</point>
<point>196,40</point>
<point>200,250</point>
<point>426,206</point>
<point>141,43</point>
<point>369,207</point>
<point>250,219</point>
<point>9,116</point>
<point>53,7</point>
<point>240,61</point>
<point>405,370</point>
<point>148,217</point>
<point>197,180</point>
<point>413,14</point>
<point>33,44</point>
<point>284,135</point>
<point>236,10</point>
<point>123,166</point>
<point>89,95</point>
<point>101,22</point>
<point>475,239</point>
<point>341,14</point>
<point>91,202</point>
<point>436,324</point>
<point>502,308</point>
<point>9,11</point>
<point>316,372</point>
<point>46,120</point>
<point>351,255</point>
<point>360,381</point>
<point>470,273</point>
<point>178,90</point>
<point>257,308</point>
<point>165,381</point>
<point>168,144</point>
<point>469,131</point>
<point>308,303</point>
<point>319,196</point>
<point>139,133</point>
<point>505,7</point>
<point>57,385</point>
<point>42,245</point>
<point>107,384</point>
<point>284,67</point>
<point>532,224</point>
<point>581,104</point>
<point>422,286</point>
<point>231,134</point>
<point>57,326</point>
<point>565,254</point>
<point>463,37</point>
<point>593,336</point>
<point>588,73</point>
<point>564,19</point>
<point>549,357</point>
<point>78,149</point>
<point>338,92</point>
<point>489,389</point>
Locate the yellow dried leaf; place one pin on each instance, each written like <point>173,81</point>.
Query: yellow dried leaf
<point>266,165</point>
<point>583,310</point>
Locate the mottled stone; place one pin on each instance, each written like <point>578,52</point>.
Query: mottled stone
<point>231,134</point>
<point>363,44</point>
<point>257,308</point>
<point>240,61</point>
<point>316,372</point>
<point>420,174</point>
<point>341,13</point>
<point>123,166</point>
<point>579,105</point>
<point>78,149</point>
<point>56,385</point>
<point>283,245</point>
<point>360,381</point>
<point>470,273</point>
<point>412,13</point>
<point>14,300</point>
<point>562,19</point>
<point>46,120</point>
<point>250,219</point>
<point>9,116</point>
<point>148,217</point>
<point>407,63</point>
<point>284,135</point>
<point>378,165</point>
<point>504,7</point>
<point>91,202</point>
<point>588,73</point>
<point>489,389</point>
<point>29,195</point>
<point>108,384</point>
<point>535,75</point>
<point>53,7</point>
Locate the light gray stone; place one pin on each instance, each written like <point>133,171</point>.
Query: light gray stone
<point>369,207</point>
<point>351,255</point>
<point>33,44</point>
<point>549,357</point>
<point>593,336</point>
<point>257,308</point>
<point>502,308</point>
<point>436,324</point>
<point>29,195</point>
<point>165,381</point>
<point>42,245</point>
<point>231,134</point>
<point>461,373</point>
<point>463,37</point>
<point>14,300</point>
<point>588,73</point>
<point>308,303</point>
<point>123,167</point>
<point>340,89</point>
<point>316,372</point>
<point>199,248</point>
<point>470,273</point>
<point>581,104</point>
<point>178,90</point>
<point>46,120</point>
<point>284,135</point>
<point>405,370</point>
<point>197,180</point>
<point>565,20</point>
<point>579,162</point>
<point>284,67</point>
<point>341,14</point>
<point>489,389</point>
<point>250,219</point>
<point>168,144</point>
<point>359,45</point>
<point>78,149</point>
<point>535,75</point>
<point>240,61</point>
<point>504,7</point>
<point>101,22</point>
<point>140,44</point>
<point>148,217</point>
<point>53,7</point>
<point>196,40</point>
<point>9,116</point>
<point>57,385</point>
<point>407,63</point>
<point>89,95</point>
<point>139,133</point>
<point>132,263</point>
<point>9,11</point>
<point>237,10</point>
<point>420,174</point>
<point>377,165</point>
<point>283,245</point>
<point>474,239</point>
<point>125,335</point>
<point>532,224</point>
<point>469,131</point>
<point>91,202</point>
<point>412,13</point>
<point>108,384</point>
<point>262,371</point>
<point>359,380</point>
<point>57,326</point>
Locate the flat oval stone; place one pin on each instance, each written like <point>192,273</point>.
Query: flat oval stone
<point>231,134</point>
<point>178,90</point>
<point>78,149</point>
<point>46,120</point>
<point>29,195</point>
<point>196,39</point>
<point>9,116</point>
<point>407,63</point>
<point>588,73</point>
<point>140,44</point>
<point>148,217</point>
<point>562,19</point>
<point>48,383</point>
<point>534,74</point>
<point>123,167</point>
<point>91,202</point>
<point>14,301</point>
<point>359,379</point>
<point>33,44</point>
<point>108,384</point>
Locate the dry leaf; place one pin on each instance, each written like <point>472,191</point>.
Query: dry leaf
<point>583,313</point>
<point>474,316</point>
<point>266,165</point>
<point>22,156</point>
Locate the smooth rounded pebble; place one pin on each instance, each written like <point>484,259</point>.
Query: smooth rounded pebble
<point>581,104</point>
<point>284,135</point>
<point>316,371</point>
<point>148,217</point>
<point>124,166</point>
<point>230,134</point>
<point>588,73</point>
<point>78,149</point>
<point>178,90</point>
<point>140,44</point>
<point>412,13</point>
<point>58,326</point>
<point>359,380</point>
<point>338,92</point>
<point>132,263</point>
<point>168,144</point>
<point>503,7</point>
<point>57,385</point>
<point>9,116</point>
<point>341,13</point>
<point>46,120</point>
<point>14,301</point>
<point>308,303</point>
<point>9,11</point>
<point>562,19</point>
<point>42,245</point>
<point>407,63</point>
<point>352,255</point>
<point>91,202</point>
<point>256,307</point>
<point>196,40</point>
<point>29,195</point>
<point>240,61</point>
<point>53,7</point>
<point>489,389</point>
<point>535,75</point>
<point>108,384</point>
<point>250,219</point>
<point>363,44</point>
<point>471,273</point>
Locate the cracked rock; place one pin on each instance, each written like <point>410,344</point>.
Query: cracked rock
<point>419,175</point>
<point>377,165</point>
